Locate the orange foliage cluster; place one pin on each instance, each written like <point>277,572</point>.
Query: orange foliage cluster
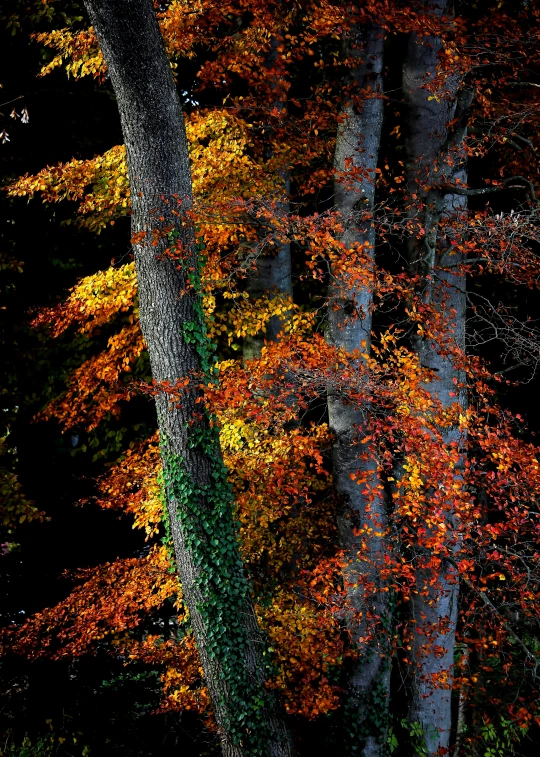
<point>132,485</point>
<point>94,389</point>
<point>279,465</point>
<point>112,598</point>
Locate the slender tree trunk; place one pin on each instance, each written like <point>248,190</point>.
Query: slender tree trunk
<point>428,145</point>
<point>273,272</point>
<point>198,497</point>
<point>349,327</point>
<point>434,603</point>
<point>461,725</point>
<point>272,276</point>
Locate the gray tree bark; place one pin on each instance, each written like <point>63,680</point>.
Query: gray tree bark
<point>349,327</point>
<point>214,585</point>
<point>428,146</point>
<point>272,276</point>
<point>273,271</point>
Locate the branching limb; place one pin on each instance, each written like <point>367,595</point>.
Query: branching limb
<point>506,184</point>
<point>507,627</point>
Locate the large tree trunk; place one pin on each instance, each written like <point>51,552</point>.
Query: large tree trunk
<point>198,497</point>
<point>349,327</point>
<point>428,145</point>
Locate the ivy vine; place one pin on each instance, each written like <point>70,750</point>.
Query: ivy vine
<point>205,513</point>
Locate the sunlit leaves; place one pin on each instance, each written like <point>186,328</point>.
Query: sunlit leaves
<point>78,52</point>
<point>108,601</point>
<point>466,508</point>
<point>94,301</point>
<point>106,175</point>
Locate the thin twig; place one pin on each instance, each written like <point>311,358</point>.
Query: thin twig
<point>20,97</point>
<point>507,627</point>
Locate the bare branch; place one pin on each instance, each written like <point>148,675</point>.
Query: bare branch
<point>519,338</point>
<point>523,84</point>
<point>506,184</point>
<point>507,627</point>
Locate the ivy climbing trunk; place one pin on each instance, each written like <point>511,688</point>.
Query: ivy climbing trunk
<point>199,499</point>
<point>436,126</point>
<point>349,328</point>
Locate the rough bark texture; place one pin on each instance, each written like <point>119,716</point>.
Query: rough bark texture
<point>198,499</point>
<point>349,327</point>
<point>428,144</point>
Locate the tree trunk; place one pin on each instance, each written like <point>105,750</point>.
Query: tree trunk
<point>428,144</point>
<point>272,276</point>
<point>273,272</point>
<point>349,327</point>
<point>199,499</point>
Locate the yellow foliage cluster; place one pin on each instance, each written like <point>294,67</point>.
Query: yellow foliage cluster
<point>178,23</point>
<point>78,52</point>
<point>183,686</point>
<point>276,475</point>
<point>221,168</point>
<point>133,486</point>
<point>105,175</point>
<point>247,316</point>
<point>307,645</point>
<point>94,301</point>
<point>221,152</point>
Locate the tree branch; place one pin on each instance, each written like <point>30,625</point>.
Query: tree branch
<point>523,84</point>
<point>507,627</point>
<point>506,184</point>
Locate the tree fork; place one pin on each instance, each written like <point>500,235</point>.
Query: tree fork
<point>199,500</point>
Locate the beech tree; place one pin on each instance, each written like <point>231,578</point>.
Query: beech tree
<point>198,496</point>
<point>384,488</point>
<point>350,327</point>
<point>435,161</point>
